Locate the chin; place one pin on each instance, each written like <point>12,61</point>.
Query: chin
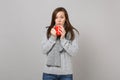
<point>59,24</point>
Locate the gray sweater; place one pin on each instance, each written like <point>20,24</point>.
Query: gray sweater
<point>59,62</point>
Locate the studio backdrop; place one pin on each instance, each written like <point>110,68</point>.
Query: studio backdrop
<point>22,24</point>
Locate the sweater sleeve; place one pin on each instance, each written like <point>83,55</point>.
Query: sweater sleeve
<point>47,44</point>
<point>71,47</point>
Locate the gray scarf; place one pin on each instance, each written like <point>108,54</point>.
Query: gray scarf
<point>54,55</point>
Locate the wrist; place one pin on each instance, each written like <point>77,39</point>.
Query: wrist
<point>62,37</point>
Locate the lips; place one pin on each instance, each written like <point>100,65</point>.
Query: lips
<point>58,23</point>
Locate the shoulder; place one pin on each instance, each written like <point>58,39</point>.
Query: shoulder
<point>45,28</point>
<point>76,32</point>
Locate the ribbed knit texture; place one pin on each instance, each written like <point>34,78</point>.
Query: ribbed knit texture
<point>71,48</point>
<point>54,58</point>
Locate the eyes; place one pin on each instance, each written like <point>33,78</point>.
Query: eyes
<point>62,17</point>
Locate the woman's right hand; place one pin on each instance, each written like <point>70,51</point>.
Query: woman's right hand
<point>53,32</point>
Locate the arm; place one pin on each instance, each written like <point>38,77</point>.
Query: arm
<point>71,47</point>
<point>47,44</point>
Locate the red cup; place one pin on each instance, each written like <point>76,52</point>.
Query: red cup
<point>57,30</point>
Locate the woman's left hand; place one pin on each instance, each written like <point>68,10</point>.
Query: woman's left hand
<point>62,31</point>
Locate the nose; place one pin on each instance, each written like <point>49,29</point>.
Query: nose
<point>59,20</point>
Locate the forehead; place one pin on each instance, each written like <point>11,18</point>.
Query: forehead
<point>60,13</point>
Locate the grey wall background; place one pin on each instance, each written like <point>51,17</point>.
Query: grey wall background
<point>21,26</point>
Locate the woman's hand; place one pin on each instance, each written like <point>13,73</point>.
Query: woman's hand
<point>62,31</point>
<point>53,32</point>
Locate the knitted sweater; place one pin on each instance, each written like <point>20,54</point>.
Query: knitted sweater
<point>70,50</point>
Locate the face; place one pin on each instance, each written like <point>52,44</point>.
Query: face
<point>60,18</point>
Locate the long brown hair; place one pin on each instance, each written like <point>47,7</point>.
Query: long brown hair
<point>67,24</point>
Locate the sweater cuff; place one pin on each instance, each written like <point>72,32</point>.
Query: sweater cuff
<point>52,38</point>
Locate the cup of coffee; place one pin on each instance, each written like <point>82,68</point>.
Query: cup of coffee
<point>57,30</point>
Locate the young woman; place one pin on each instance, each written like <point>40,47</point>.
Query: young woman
<point>59,45</point>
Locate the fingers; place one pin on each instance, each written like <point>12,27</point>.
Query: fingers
<point>62,30</point>
<point>53,32</point>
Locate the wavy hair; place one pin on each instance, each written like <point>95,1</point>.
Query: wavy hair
<point>68,27</point>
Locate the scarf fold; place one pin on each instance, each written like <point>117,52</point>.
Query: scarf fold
<point>54,56</point>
